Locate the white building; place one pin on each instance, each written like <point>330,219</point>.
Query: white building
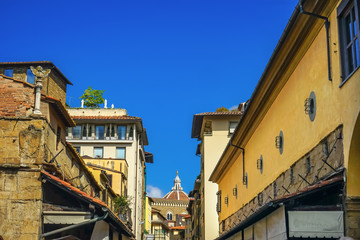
<point>107,137</point>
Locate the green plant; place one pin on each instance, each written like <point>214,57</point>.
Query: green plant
<point>222,109</point>
<point>93,97</point>
<point>122,204</point>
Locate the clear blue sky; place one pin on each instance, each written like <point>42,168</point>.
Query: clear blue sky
<point>162,60</point>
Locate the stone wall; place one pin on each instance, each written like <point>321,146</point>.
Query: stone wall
<point>55,86</point>
<point>20,204</point>
<point>352,217</point>
<point>21,155</point>
<point>310,167</point>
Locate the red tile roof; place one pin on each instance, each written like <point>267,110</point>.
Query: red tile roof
<point>107,117</point>
<point>176,195</point>
<point>85,195</point>
<point>236,113</point>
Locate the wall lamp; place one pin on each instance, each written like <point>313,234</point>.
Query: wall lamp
<point>259,164</point>
<point>235,191</point>
<point>279,142</point>
<point>310,106</point>
<point>245,180</point>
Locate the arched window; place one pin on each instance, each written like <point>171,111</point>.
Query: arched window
<point>169,216</point>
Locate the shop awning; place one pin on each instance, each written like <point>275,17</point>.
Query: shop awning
<point>316,224</point>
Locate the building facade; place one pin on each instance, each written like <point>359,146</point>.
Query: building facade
<point>291,168</point>
<point>111,139</point>
<point>194,210</point>
<point>173,206</point>
<point>214,130</point>
<point>46,191</point>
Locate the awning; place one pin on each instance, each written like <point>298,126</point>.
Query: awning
<point>65,217</point>
<point>316,224</point>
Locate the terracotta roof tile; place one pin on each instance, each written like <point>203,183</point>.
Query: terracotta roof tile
<point>107,117</point>
<point>176,195</point>
<point>236,113</point>
<point>83,194</point>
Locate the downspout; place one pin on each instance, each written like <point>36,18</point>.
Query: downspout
<point>327,26</point>
<point>243,154</point>
<point>74,226</point>
<point>136,181</point>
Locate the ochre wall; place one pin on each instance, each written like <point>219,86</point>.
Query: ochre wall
<point>335,105</point>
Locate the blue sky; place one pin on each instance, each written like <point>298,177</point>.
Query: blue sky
<point>163,61</point>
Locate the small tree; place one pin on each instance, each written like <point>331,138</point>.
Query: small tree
<point>222,109</point>
<point>122,205</point>
<point>93,97</point>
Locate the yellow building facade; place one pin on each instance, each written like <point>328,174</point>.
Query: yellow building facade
<point>299,136</point>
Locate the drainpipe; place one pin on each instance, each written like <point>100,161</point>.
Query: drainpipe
<point>327,26</point>
<point>243,153</point>
<point>136,181</point>
<point>74,226</point>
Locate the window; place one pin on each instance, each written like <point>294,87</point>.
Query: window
<point>218,206</point>
<point>121,132</point>
<point>9,72</point>
<point>112,131</point>
<point>120,153</point>
<point>84,133</point>
<point>169,216</point>
<point>232,126</point>
<point>76,132</point>
<point>99,132</point>
<point>30,77</point>
<point>98,152</point>
<point>349,36</point>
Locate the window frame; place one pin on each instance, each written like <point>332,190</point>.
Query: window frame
<point>72,132</point>
<point>97,137</point>
<point>343,11</point>
<point>232,122</point>
<point>11,70</point>
<point>124,152</point>
<point>102,152</point>
<point>29,73</point>
<point>117,132</point>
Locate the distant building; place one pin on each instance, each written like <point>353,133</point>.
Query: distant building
<point>173,206</point>
<point>110,140</point>
<point>213,129</point>
<point>159,226</point>
<point>194,210</point>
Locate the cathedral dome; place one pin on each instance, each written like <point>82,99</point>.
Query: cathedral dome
<point>176,192</point>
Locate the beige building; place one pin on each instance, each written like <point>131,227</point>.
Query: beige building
<point>214,130</point>
<point>46,191</point>
<point>109,138</point>
<point>159,226</point>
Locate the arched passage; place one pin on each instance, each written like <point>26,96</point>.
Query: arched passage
<point>353,173</point>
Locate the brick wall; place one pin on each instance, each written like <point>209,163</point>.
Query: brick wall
<point>16,98</point>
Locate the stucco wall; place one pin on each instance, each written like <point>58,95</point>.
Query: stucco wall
<point>335,105</point>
